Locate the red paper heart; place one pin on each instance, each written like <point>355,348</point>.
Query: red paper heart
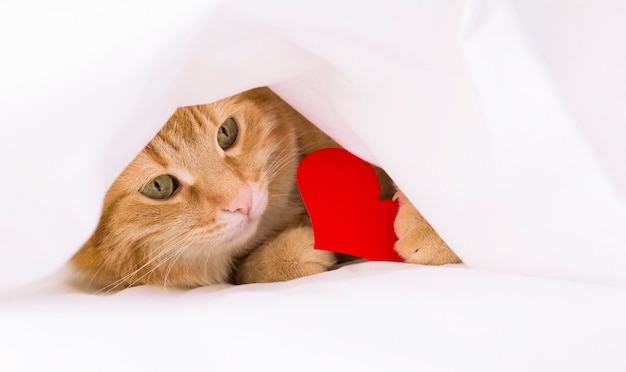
<point>341,193</point>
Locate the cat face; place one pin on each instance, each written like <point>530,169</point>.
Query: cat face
<point>217,180</point>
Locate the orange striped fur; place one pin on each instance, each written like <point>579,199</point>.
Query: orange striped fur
<point>228,204</point>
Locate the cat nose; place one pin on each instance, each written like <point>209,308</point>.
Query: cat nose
<point>241,203</point>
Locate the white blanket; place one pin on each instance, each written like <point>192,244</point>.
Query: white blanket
<point>503,121</point>
<point>367,317</point>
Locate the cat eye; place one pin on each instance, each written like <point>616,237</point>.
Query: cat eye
<point>161,187</point>
<point>227,134</point>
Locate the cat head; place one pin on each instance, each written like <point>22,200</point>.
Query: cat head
<point>215,181</point>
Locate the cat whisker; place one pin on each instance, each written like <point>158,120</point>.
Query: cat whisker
<point>280,164</point>
<point>171,253</point>
<point>279,196</point>
<point>129,277</point>
<point>206,264</point>
<point>173,258</point>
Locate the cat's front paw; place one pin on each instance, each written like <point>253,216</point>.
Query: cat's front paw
<point>418,242</point>
<point>289,256</point>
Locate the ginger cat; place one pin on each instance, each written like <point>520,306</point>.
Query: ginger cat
<point>213,199</point>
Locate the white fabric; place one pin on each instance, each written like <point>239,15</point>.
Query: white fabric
<point>367,317</point>
<point>502,120</point>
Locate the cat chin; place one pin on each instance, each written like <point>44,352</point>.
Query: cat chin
<point>239,235</point>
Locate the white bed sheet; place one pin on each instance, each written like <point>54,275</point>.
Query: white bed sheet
<point>510,117</point>
<point>366,317</point>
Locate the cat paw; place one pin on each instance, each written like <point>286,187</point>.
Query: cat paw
<point>289,256</point>
<point>418,242</point>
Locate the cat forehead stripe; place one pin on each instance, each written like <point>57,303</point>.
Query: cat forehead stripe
<point>197,117</point>
<point>155,154</point>
<point>169,141</point>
